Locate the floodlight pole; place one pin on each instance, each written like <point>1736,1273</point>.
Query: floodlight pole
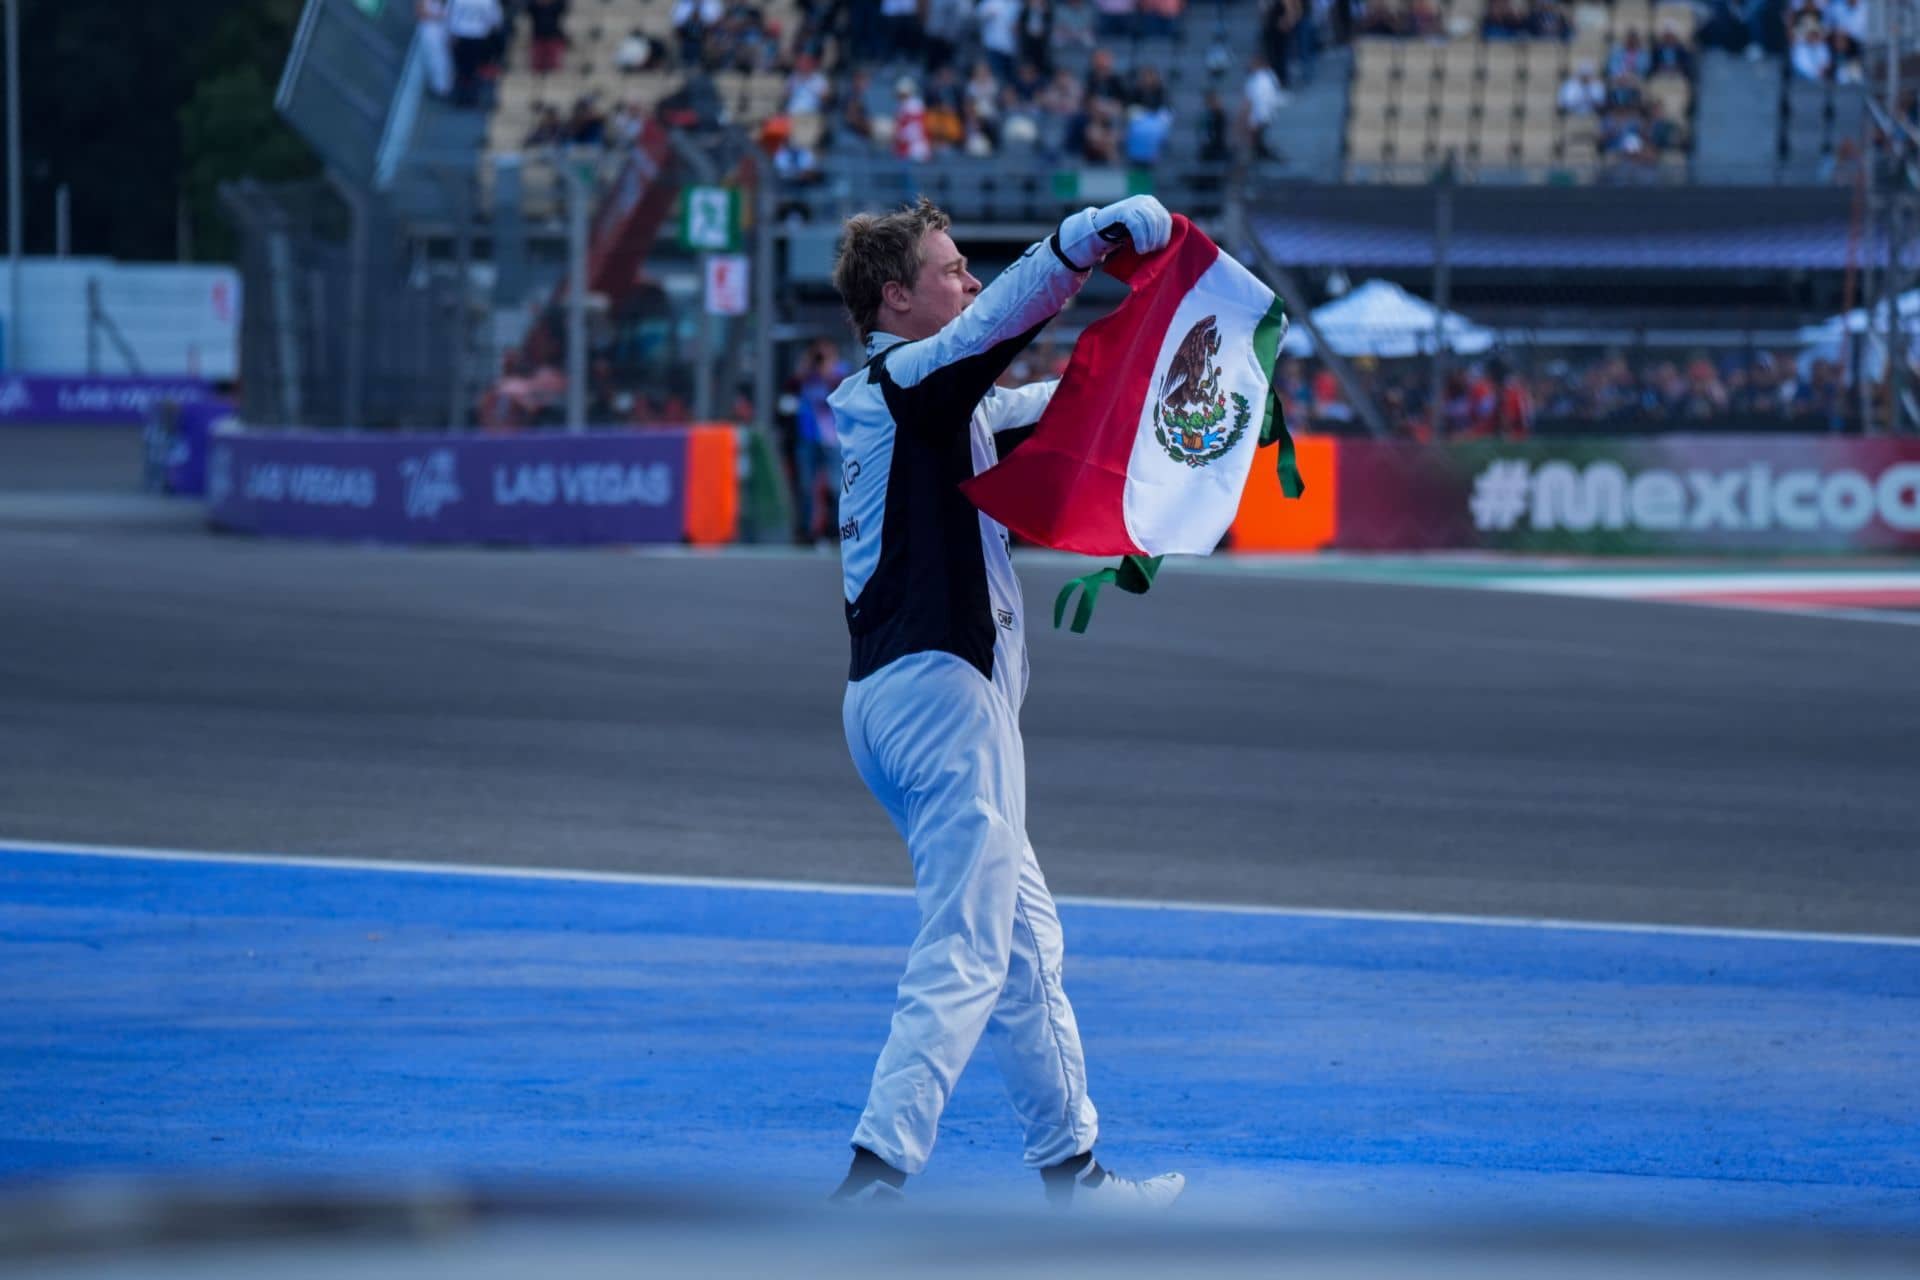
<point>14,227</point>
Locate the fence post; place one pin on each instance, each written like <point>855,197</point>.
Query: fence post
<point>1442,290</point>
<point>577,195</point>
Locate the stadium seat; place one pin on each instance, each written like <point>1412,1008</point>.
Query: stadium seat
<point>1502,63</point>
<point>1417,63</point>
<point>1454,115</point>
<point>1545,63</point>
<point>1367,144</point>
<point>1460,62</point>
<point>1373,59</point>
<point>1369,108</point>
<point>1537,148</point>
<point>1674,93</point>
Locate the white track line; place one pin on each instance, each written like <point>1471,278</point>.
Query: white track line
<point>826,887</point>
<point>1651,586</point>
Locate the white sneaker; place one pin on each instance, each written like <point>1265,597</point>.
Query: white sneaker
<point>1094,1189</point>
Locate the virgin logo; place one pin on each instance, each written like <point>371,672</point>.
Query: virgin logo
<point>432,482</point>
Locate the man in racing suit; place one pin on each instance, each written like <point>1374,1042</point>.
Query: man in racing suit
<point>938,675</point>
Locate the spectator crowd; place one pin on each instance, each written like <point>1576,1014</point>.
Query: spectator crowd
<point>1497,398</point>
<point>917,78</point>
<point>1828,37</point>
<point>1634,125</point>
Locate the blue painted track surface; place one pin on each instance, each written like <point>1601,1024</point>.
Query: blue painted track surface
<point>277,1020</point>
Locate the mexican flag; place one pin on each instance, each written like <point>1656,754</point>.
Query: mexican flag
<point>1148,441</point>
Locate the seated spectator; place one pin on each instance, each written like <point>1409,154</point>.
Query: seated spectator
<point>1100,135</point>
<point>1582,94</point>
<point>1663,133</point>
<point>1671,55</point>
<point>796,163</point>
<point>982,92</point>
<point>854,121</point>
<point>1103,82</point>
<point>1214,145</point>
<point>587,127</point>
<point>909,122</point>
<point>1027,82</point>
<point>693,20</point>
<point>1061,105</point>
<point>1848,65</point>
<point>1377,19</point>
<point>1624,94</point>
<point>1147,130</point>
<point>1148,90</point>
<point>1504,21</point>
<point>747,44</point>
<point>1620,135</point>
<point>1849,17</point>
<point>1035,33</point>
<point>945,91</point>
<point>1513,411</point>
<point>1629,58</point>
<point>1801,13</point>
<point>1019,121</point>
<point>982,134</point>
<point>807,87</point>
<point>545,18</point>
<point>624,125</point>
<point>635,53</point>
<point>1425,21</point>
<point>946,119</point>
<point>548,128</point>
<point>1328,403</point>
<point>1550,21</point>
<point>1812,59</point>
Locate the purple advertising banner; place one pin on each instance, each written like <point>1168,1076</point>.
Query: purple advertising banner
<point>28,399</point>
<point>600,487</point>
<point>1645,495</point>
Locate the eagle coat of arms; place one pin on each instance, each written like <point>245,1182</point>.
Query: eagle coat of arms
<point>1190,410</point>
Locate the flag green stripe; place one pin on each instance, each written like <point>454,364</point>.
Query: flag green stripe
<point>1266,349</point>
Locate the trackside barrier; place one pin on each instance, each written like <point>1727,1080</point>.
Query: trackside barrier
<point>1649,495</point>
<point>655,485</point>
<point>39,400</point>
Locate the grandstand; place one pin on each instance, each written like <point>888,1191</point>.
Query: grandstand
<point>1615,230</point>
<point>1493,106</point>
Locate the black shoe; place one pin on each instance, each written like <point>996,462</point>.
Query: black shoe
<point>870,1180</point>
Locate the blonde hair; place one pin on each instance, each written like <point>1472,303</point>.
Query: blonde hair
<point>878,248</point>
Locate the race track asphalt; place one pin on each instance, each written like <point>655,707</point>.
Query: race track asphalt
<point>1248,740</point>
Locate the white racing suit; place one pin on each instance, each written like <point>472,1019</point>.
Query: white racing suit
<point>932,717</point>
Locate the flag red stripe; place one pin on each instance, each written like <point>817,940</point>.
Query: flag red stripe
<point>1066,486</point>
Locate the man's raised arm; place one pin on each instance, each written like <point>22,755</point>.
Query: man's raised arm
<point>958,365</point>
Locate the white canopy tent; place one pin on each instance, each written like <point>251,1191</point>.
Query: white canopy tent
<point>1379,318</point>
<point>1828,339</point>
